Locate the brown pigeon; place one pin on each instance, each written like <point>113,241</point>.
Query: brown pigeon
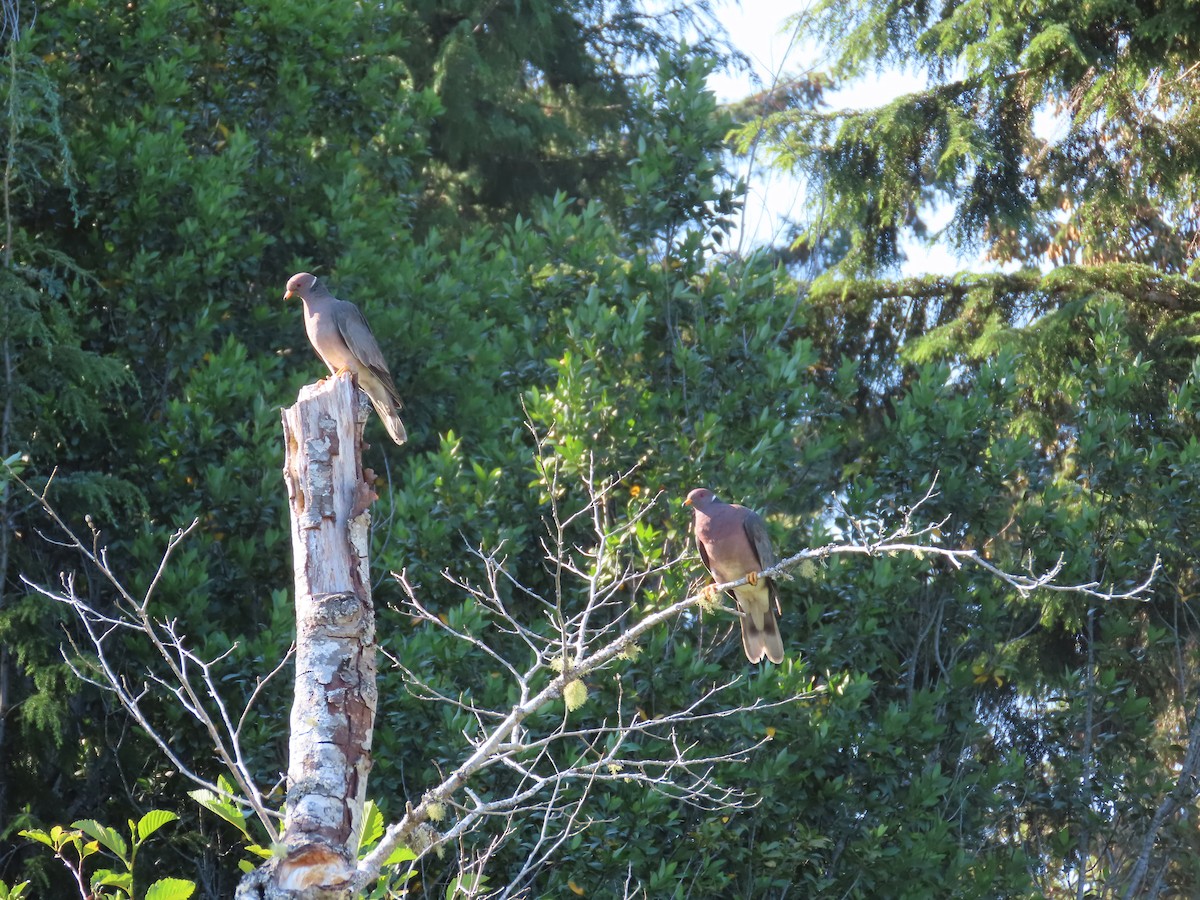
<point>340,335</point>
<point>734,544</point>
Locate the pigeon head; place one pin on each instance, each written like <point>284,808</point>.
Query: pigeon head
<point>300,285</point>
<point>700,498</point>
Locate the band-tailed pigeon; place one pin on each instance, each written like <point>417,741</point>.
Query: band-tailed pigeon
<point>733,544</point>
<point>340,335</point>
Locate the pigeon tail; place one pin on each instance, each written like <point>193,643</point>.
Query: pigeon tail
<point>391,421</point>
<point>772,641</point>
<point>382,393</point>
<point>765,641</point>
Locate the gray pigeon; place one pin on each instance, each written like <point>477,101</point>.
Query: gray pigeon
<point>733,544</point>
<point>340,335</point>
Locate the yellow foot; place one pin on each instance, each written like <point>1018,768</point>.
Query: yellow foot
<point>341,371</point>
<point>752,578</point>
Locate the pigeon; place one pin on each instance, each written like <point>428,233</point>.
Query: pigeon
<point>339,333</point>
<point>734,544</point>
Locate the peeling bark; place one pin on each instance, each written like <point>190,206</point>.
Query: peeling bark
<point>334,709</point>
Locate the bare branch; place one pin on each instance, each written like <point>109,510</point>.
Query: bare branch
<point>600,576</point>
<point>185,668</point>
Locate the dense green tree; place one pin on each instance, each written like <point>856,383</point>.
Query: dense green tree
<point>168,165</point>
<point>53,387</point>
<point>536,97</point>
<point>173,162</point>
<point>1055,132</point>
<point>1063,137</point>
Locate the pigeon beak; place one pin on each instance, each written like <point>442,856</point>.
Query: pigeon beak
<point>687,502</point>
<point>289,295</point>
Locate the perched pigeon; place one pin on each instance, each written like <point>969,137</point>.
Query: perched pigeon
<point>340,335</point>
<point>734,544</point>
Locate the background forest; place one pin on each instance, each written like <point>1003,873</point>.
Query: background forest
<point>529,201</point>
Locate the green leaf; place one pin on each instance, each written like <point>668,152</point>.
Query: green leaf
<point>152,821</point>
<point>108,837</point>
<point>108,878</point>
<point>372,827</point>
<point>170,889</point>
<point>259,850</point>
<point>399,855</point>
<point>36,834</point>
<point>221,807</point>
<point>466,885</point>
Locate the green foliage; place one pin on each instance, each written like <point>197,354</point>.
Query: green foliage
<point>673,186</point>
<point>88,837</point>
<point>1053,405</point>
<point>466,886</point>
<point>226,806</point>
<point>171,163</point>
<point>55,399</point>
<point>534,97</point>
<point>1057,133</point>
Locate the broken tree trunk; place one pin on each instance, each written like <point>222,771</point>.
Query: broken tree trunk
<point>334,709</point>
